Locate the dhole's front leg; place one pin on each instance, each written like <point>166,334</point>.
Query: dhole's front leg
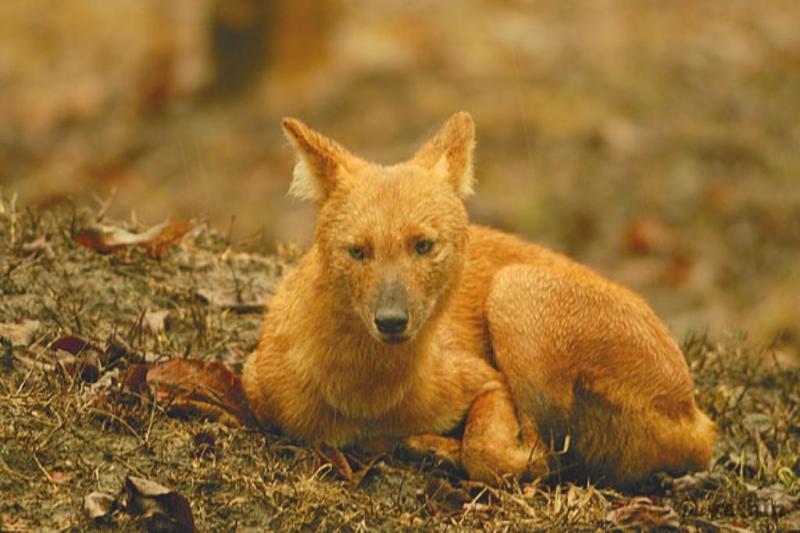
<point>495,446</point>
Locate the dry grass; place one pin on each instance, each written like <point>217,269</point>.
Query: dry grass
<point>62,438</point>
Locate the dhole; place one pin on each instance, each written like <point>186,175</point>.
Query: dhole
<point>404,322</point>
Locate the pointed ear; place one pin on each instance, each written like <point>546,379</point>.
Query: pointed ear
<point>321,162</point>
<point>449,153</point>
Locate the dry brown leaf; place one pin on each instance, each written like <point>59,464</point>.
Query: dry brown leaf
<point>642,513</point>
<point>189,386</point>
<point>155,321</point>
<point>77,357</point>
<point>695,483</point>
<point>229,299</point>
<point>159,507</point>
<point>135,378</point>
<point>71,344</point>
<point>773,500</point>
<point>106,239</point>
<point>169,236</point>
<point>60,478</point>
<point>704,524</point>
<point>38,246</point>
<point>647,235</point>
<point>98,505</point>
<point>19,334</point>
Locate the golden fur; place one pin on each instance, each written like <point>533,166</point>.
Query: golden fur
<point>526,348</point>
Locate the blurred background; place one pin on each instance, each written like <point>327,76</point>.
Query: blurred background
<point>659,142</point>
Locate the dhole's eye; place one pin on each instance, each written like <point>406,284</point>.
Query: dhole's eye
<point>357,252</point>
<point>423,246</point>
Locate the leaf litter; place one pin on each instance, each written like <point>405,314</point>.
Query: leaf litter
<point>156,240</point>
<point>100,399</point>
<point>159,507</point>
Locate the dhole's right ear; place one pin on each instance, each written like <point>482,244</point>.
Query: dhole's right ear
<point>449,153</point>
<point>321,163</point>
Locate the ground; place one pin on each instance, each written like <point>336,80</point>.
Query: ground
<point>65,433</point>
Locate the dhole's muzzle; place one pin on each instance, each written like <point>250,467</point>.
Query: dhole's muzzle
<point>391,312</point>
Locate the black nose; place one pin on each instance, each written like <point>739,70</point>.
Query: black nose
<point>391,321</point>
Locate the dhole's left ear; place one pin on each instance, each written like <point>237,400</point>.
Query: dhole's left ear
<point>449,153</point>
<point>322,164</point>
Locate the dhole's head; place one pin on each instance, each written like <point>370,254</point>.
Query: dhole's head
<point>391,239</point>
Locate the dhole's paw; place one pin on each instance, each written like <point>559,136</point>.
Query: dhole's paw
<point>446,449</point>
<point>538,466</point>
<point>333,456</point>
<point>494,466</point>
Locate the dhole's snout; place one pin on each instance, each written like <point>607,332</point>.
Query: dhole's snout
<point>391,312</point>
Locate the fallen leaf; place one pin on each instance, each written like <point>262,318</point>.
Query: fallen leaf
<point>60,478</point>
<point>704,524</point>
<point>71,344</point>
<point>168,237</point>
<point>117,349</point>
<point>189,386</point>
<point>773,500</point>
<point>39,245</point>
<point>19,334</point>
<point>106,239</point>
<point>646,235</point>
<point>230,299</point>
<point>135,378</point>
<point>159,507</point>
<point>335,458</point>
<point>86,366</point>
<point>695,484</point>
<point>107,382</point>
<point>98,505</point>
<point>155,321</point>
<point>77,357</point>
<point>642,513</point>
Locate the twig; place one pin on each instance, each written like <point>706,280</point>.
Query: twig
<point>105,205</point>
<point>117,419</point>
<point>45,472</point>
<point>12,217</point>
